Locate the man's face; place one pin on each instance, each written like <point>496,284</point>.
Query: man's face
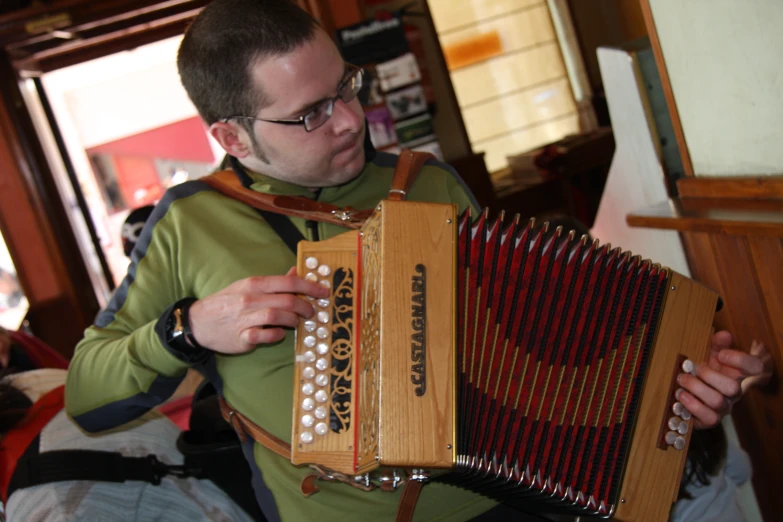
<point>292,83</point>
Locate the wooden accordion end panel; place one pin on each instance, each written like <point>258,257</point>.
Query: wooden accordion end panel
<point>567,355</point>
<point>375,373</point>
<point>538,367</point>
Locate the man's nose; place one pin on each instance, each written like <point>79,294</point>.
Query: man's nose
<point>347,117</point>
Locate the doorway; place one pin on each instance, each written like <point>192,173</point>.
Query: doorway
<point>127,132</point>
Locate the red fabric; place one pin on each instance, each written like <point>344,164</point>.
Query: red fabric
<point>178,411</point>
<point>39,353</point>
<point>15,443</point>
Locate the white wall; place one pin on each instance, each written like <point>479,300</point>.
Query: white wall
<point>636,178</point>
<point>122,94</point>
<point>724,63</point>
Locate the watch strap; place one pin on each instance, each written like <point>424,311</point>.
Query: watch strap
<point>177,345</point>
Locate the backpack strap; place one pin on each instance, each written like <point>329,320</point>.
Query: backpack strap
<point>228,183</point>
<point>14,444</point>
<point>23,469</point>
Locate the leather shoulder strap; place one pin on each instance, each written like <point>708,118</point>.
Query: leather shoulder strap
<point>244,426</point>
<point>408,499</point>
<point>229,185</point>
<point>409,165</point>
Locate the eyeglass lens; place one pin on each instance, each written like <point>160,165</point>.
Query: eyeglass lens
<point>347,92</point>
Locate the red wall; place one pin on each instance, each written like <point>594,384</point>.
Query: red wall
<point>184,140</point>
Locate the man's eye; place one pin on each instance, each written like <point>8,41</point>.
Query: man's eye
<point>318,111</point>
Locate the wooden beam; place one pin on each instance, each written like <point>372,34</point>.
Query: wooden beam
<point>722,216</point>
<point>760,187</point>
<point>84,34</point>
<point>105,45</point>
<point>76,15</point>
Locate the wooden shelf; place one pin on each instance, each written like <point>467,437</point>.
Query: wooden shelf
<point>716,215</point>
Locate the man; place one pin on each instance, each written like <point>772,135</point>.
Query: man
<point>280,100</point>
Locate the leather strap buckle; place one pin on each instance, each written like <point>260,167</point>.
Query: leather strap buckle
<point>345,214</point>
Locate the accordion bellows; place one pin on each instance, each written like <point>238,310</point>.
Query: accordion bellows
<point>525,363</point>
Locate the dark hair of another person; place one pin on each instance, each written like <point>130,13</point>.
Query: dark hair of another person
<point>222,44</point>
<point>706,456</point>
<point>13,406</point>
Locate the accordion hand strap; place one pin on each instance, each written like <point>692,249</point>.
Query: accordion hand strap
<point>227,183</point>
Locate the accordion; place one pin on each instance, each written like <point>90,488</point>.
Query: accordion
<point>527,364</point>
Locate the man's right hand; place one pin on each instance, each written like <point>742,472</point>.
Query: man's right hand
<point>252,311</point>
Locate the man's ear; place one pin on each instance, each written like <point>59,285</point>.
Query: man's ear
<point>232,138</point>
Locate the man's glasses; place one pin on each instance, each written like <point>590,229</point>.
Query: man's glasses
<point>320,114</point>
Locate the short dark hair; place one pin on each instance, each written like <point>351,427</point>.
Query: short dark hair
<point>225,40</point>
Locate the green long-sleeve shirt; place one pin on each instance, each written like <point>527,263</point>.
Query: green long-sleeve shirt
<point>196,243</point>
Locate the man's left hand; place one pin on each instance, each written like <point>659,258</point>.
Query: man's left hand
<point>713,388</point>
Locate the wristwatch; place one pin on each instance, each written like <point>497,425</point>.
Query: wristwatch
<point>177,335</point>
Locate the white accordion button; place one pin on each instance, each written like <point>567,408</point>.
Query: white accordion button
<point>686,415</point>
<point>321,396</point>
<point>311,263</point>
<point>323,303</point>
<point>322,348</point>
<point>308,388</point>
<point>309,356</point>
<point>321,364</point>
<point>321,428</point>
<point>323,317</point>
<point>677,408</point>
<point>308,373</point>
<point>324,270</point>
<point>688,366</point>
<point>306,437</point>
<point>322,380</point>
<point>310,341</point>
<point>674,423</point>
<point>322,333</point>
<point>320,412</point>
<point>326,283</point>
<point>670,437</point>
<point>679,443</point>
<point>310,326</point>
<point>683,429</point>
<point>308,404</point>
<point>308,421</point>
<point>311,277</point>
